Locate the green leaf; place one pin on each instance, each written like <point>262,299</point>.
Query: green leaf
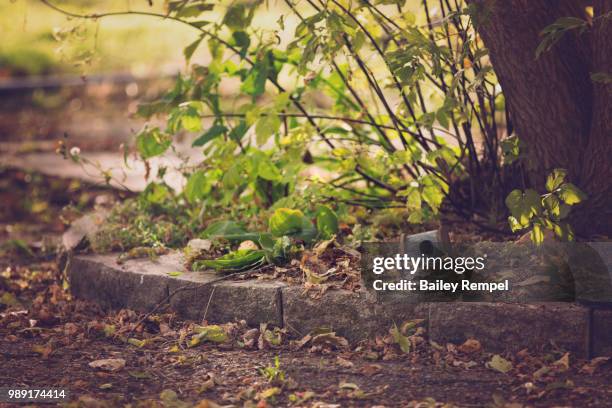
<point>212,133</point>
<point>152,142</point>
<point>190,120</point>
<point>266,126</point>
<point>433,196</point>
<point>236,18</point>
<point>514,199</point>
<point>192,10</point>
<point>564,231</point>
<point>156,193</point>
<point>413,197</point>
<point>190,49</point>
<point>510,149</point>
<point>222,228</point>
<point>523,205</point>
<point>233,177</point>
<point>266,169</point>
<point>242,259</point>
<point>552,204</point>
<point>400,339</point>
<point>555,179</point>
<point>515,225</point>
<point>415,217</point>
<point>286,221</point>
<point>327,222</point>
<point>197,187</point>
<point>199,24</point>
<point>255,82</point>
<point>537,234</point>
<point>239,131</point>
<point>570,194</point>
<point>211,333</point>
<point>242,41</point>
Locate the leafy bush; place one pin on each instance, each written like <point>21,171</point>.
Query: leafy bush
<point>372,104</point>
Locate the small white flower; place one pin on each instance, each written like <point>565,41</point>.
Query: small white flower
<point>75,151</point>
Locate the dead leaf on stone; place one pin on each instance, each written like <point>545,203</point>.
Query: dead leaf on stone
<point>534,280</point>
<point>498,363</point>
<point>108,364</point>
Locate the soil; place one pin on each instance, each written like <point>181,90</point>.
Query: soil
<point>47,338</point>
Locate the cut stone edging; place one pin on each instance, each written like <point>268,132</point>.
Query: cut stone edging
<point>142,284</point>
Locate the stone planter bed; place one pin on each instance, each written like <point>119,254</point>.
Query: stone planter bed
<point>143,284</point>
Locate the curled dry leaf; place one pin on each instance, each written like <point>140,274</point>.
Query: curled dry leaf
<point>108,364</point>
<point>591,366</point>
<point>562,364</point>
<point>470,346</point>
<point>330,338</point>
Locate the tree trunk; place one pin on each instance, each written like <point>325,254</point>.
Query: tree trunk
<point>562,117</point>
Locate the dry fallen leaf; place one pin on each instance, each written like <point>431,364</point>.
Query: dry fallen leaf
<point>498,363</point>
<point>108,364</point>
<point>344,363</point>
<point>563,363</point>
<point>591,366</point>
<point>330,338</point>
<point>370,369</point>
<point>470,346</point>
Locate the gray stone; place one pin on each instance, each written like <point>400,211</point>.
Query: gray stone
<point>142,284</point>
<point>84,227</point>
<point>602,333</point>
<point>506,326</point>
<point>112,285</point>
<point>253,301</point>
<point>354,315</point>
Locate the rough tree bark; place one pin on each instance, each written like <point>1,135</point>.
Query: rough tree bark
<point>563,118</point>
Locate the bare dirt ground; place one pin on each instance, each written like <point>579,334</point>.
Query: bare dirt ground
<point>49,339</point>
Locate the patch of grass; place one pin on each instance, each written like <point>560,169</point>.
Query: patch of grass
<point>131,226</point>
